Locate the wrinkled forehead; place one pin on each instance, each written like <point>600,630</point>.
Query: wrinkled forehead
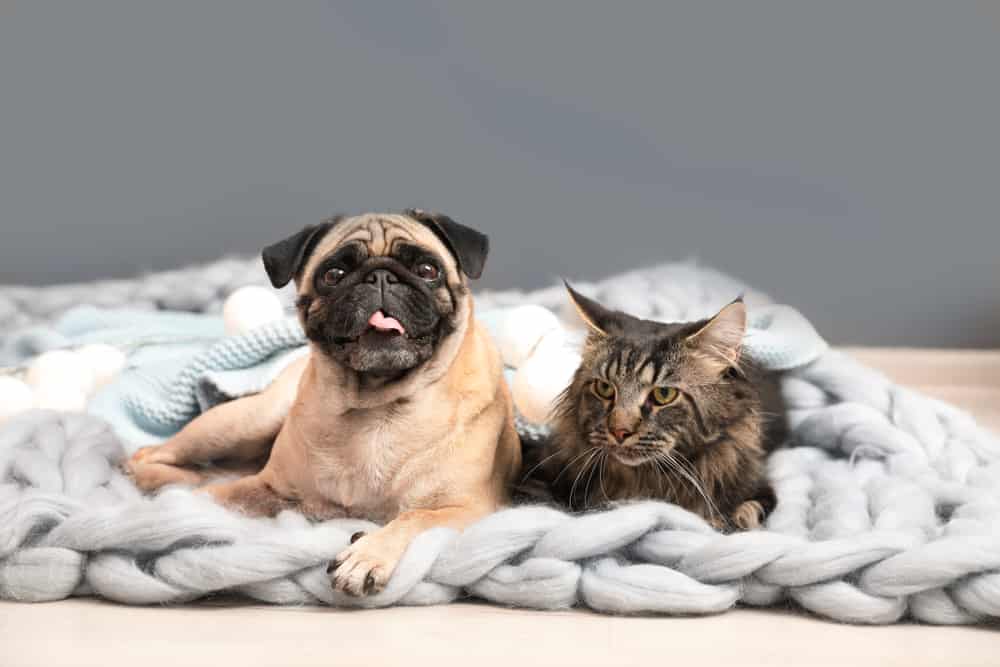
<point>382,234</point>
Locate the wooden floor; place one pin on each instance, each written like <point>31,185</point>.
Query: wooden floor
<point>87,633</point>
<point>222,633</point>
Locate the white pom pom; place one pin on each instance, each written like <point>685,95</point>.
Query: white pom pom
<point>519,331</point>
<point>544,375</point>
<point>250,307</point>
<point>59,370</point>
<point>64,398</point>
<point>105,362</point>
<point>15,397</point>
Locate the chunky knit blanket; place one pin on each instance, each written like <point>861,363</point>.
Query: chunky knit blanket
<point>888,507</point>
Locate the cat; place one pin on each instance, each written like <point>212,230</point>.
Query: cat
<point>664,411</point>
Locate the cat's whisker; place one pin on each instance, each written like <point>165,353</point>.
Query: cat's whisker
<point>571,462</point>
<point>579,474</point>
<point>712,507</point>
<point>694,473</point>
<point>666,474</point>
<point>681,470</point>
<point>600,478</point>
<point>599,460</point>
<point>674,469</point>
<point>687,464</point>
<point>540,464</point>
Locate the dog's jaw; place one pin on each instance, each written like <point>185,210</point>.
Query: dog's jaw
<point>366,390</point>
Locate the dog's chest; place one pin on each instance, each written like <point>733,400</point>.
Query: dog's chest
<point>361,475</point>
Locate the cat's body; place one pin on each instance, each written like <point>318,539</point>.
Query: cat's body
<point>665,411</point>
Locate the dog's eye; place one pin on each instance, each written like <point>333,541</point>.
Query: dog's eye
<point>663,395</point>
<point>333,276</point>
<point>427,271</point>
<point>603,389</point>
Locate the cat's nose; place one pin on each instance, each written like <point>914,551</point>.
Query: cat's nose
<point>621,434</point>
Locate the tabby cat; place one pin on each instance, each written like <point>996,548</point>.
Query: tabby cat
<point>664,411</point>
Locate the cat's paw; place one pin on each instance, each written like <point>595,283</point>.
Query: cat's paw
<point>748,516</point>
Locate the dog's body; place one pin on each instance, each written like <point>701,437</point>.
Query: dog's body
<point>399,414</point>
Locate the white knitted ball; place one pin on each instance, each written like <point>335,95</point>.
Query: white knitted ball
<point>250,307</point>
<point>519,331</point>
<point>61,397</point>
<point>58,371</point>
<point>105,362</point>
<point>544,375</point>
<point>15,397</point>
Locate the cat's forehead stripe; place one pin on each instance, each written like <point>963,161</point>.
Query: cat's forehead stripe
<point>631,357</point>
<point>646,373</point>
<point>647,370</point>
<point>663,373</point>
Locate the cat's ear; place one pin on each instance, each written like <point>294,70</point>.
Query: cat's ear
<point>599,319</point>
<point>720,340</point>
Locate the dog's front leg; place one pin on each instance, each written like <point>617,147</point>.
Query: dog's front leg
<point>239,431</point>
<point>255,495</point>
<point>365,566</point>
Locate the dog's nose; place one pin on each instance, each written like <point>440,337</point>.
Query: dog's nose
<point>621,434</point>
<point>382,277</point>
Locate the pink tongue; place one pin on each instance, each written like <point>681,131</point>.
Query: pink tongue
<point>383,323</point>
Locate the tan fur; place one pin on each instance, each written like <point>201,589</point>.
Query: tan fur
<point>437,448</point>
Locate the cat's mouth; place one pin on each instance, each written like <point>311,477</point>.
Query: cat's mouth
<point>629,456</point>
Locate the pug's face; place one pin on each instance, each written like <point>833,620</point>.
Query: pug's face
<point>378,293</point>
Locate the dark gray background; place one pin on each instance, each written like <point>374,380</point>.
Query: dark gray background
<point>844,156</point>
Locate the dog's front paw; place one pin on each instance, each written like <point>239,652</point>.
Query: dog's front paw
<point>150,468</point>
<point>151,454</point>
<point>365,566</point>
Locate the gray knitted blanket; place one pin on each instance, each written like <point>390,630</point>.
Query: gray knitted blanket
<point>888,504</point>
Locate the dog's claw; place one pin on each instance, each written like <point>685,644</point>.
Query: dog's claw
<point>361,569</point>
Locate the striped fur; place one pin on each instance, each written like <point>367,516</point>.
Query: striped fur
<point>705,450</point>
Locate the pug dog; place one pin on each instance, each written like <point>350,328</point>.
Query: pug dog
<point>399,413</point>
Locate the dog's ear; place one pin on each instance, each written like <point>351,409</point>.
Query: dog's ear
<point>284,260</point>
<point>469,247</point>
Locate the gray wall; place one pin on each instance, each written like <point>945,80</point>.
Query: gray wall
<point>844,156</point>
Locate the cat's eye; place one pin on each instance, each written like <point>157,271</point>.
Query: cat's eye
<point>333,276</point>
<point>427,271</point>
<point>663,395</point>
<point>603,389</point>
